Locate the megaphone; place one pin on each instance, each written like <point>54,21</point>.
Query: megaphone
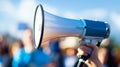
<point>48,26</point>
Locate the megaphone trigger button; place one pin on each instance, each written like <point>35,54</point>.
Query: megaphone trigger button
<point>87,41</point>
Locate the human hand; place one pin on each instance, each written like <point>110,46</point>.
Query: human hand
<point>84,49</point>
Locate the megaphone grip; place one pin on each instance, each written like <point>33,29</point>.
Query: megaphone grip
<point>83,58</point>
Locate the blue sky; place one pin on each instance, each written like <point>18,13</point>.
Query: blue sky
<point>79,5</point>
<point>13,12</point>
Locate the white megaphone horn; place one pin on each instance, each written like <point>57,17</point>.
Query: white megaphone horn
<point>48,26</point>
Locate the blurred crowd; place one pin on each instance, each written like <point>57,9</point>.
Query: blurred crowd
<point>54,53</point>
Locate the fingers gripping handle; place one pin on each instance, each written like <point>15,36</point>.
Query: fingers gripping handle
<point>83,58</point>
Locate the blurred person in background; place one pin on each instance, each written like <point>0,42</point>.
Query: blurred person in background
<point>68,57</point>
<point>68,47</point>
<point>27,40</point>
<point>62,52</point>
<point>29,57</point>
<point>4,53</point>
<point>22,56</point>
<point>51,48</point>
<point>54,52</point>
<point>28,47</point>
<point>15,49</point>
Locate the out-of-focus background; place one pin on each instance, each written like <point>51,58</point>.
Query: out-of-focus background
<point>16,23</point>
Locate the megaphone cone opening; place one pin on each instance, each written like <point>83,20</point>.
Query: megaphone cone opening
<point>38,26</point>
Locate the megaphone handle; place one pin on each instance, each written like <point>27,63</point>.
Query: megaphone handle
<point>82,58</point>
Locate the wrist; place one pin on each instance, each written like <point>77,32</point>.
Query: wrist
<point>93,63</point>
<point>96,63</point>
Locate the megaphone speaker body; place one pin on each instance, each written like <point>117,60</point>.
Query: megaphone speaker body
<point>48,26</point>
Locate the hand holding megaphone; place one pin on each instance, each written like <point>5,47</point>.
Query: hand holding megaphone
<point>84,51</point>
